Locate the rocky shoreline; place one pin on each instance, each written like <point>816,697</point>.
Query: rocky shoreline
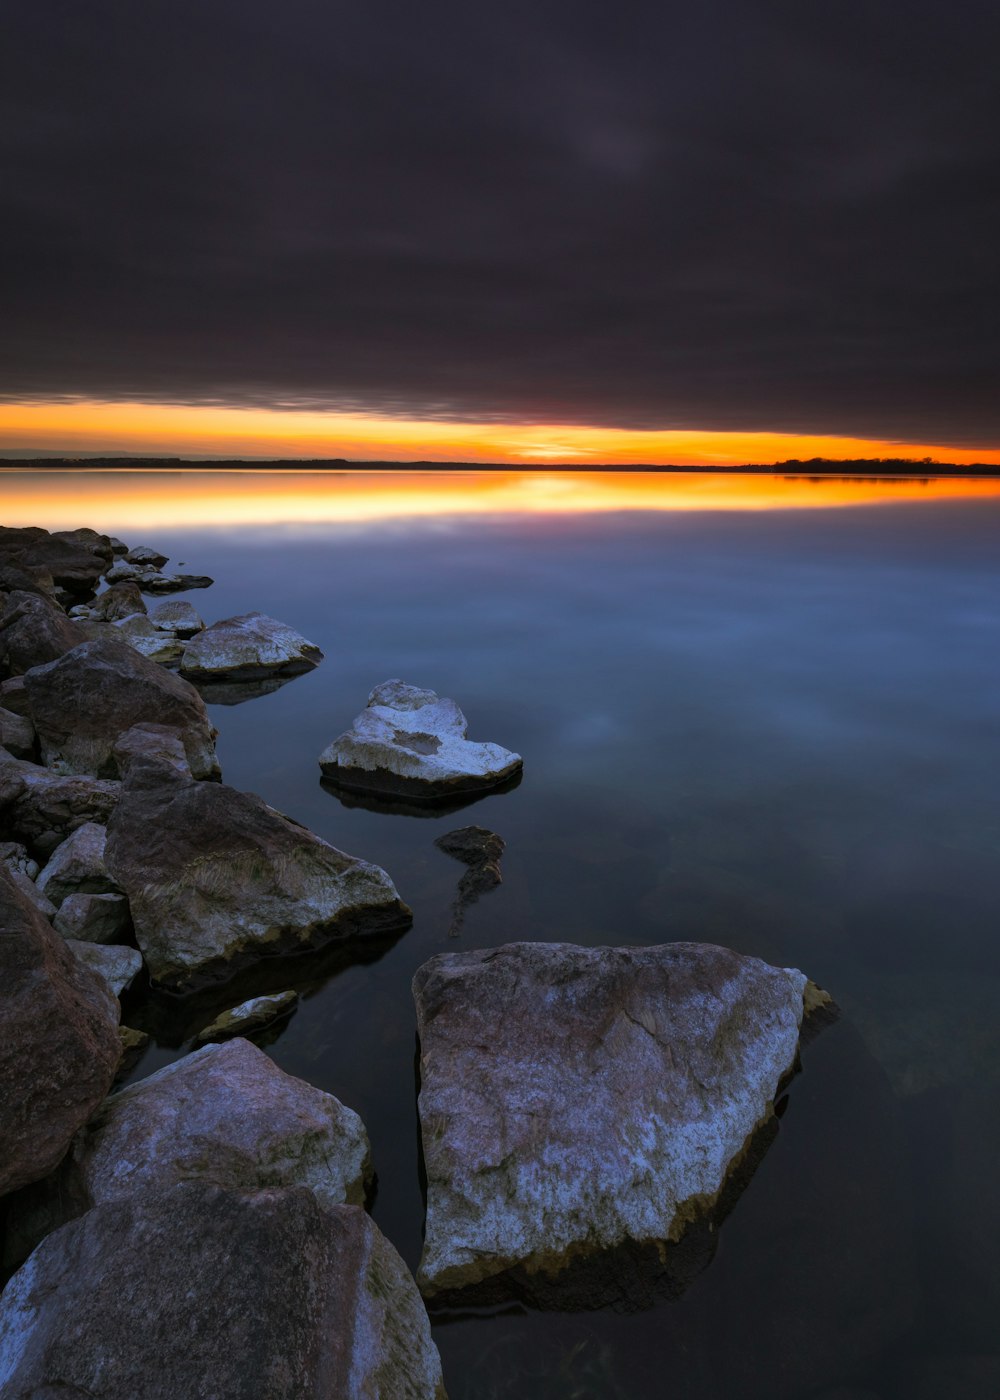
<point>586,1114</point>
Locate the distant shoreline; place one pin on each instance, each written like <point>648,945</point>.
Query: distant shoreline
<point>870,467</point>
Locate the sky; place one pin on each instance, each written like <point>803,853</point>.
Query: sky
<point>532,232</point>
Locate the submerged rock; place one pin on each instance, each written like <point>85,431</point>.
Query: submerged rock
<point>586,1102</point>
<point>34,895</point>
<point>248,648</point>
<point>480,850</point>
<point>177,617</point>
<point>200,1290</point>
<point>227,1115</point>
<point>249,1016</point>
<point>58,1041</point>
<point>41,808</point>
<point>116,963</point>
<point>216,879</point>
<point>83,702</point>
<point>411,742</point>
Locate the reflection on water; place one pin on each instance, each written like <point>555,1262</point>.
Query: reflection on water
<point>774,729</point>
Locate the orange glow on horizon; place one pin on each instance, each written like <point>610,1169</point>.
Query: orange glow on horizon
<point>278,500</point>
<point>70,427</point>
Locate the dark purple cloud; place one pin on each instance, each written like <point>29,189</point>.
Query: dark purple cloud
<point>730,215</point>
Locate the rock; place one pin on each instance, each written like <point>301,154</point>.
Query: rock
<point>17,578</point>
<point>119,601</point>
<point>15,857</point>
<point>578,1101</point>
<point>117,546</point>
<point>216,879</point>
<point>83,702</point>
<point>480,850</point>
<point>225,1114</point>
<point>158,743</point>
<point>89,540</point>
<point>140,633</point>
<point>249,1016</point>
<point>34,895</point>
<point>14,696</point>
<point>93,918</point>
<point>42,808</point>
<point>177,617</point>
<point>408,741</point>
<point>73,567</point>
<point>148,558</point>
<point>133,1045</point>
<point>114,962</point>
<point>58,1041</point>
<point>77,866</point>
<point>33,630</point>
<point>174,583</point>
<point>17,735</point>
<point>199,1290</point>
<point>248,648</point>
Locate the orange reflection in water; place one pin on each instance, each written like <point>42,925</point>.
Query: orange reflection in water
<point>146,500</point>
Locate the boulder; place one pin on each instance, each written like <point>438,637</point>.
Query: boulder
<point>177,617</point>
<point>248,648</point>
<point>146,557</point>
<point>93,918</point>
<point>200,1290</point>
<point>14,696</point>
<point>82,703</point>
<point>249,1016</point>
<point>33,630</point>
<point>157,743</point>
<point>410,742</point>
<point>225,1114</point>
<point>119,601</point>
<point>17,735</point>
<point>42,808</point>
<point>77,866</point>
<point>148,640</point>
<point>90,540</point>
<point>216,878</point>
<point>73,566</point>
<point>580,1107</point>
<point>59,1045</point>
<point>15,857</point>
<point>117,964</point>
<point>34,895</point>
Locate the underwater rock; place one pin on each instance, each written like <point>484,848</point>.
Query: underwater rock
<point>33,631</point>
<point>216,878</point>
<point>199,1290</point>
<point>77,866</point>
<point>177,617</point>
<point>577,1101</point>
<point>81,704</point>
<point>248,648</point>
<point>115,962</point>
<point>480,850</point>
<point>225,1114</point>
<point>59,1044</point>
<point>249,1016</point>
<point>411,742</point>
<point>41,808</point>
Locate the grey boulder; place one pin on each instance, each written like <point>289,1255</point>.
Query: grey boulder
<point>585,1102</point>
<point>412,742</point>
<point>116,963</point>
<point>41,808</point>
<point>17,735</point>
<point>93,918</point>
<point>248,648</point>
<point>77,866</point>
<point>178,617</point>
<point>199,1290</point>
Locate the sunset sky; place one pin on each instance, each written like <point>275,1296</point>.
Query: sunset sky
<point>538,233</point>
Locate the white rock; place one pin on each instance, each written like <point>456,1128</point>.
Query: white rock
<point>77,866</point>
<point>178,617</point>
<point>410,741</point>
<point>248,647</point>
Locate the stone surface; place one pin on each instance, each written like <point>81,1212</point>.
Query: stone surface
<point>248,648</point>
<point>480,850</point>
<point>149,558</point>
<point>215,878</point>
<point>90,540</point>
<point>411,742</point>
<point>200,1290</point>
<point>17,735</point>
<point>576,1101</point>
<point>119,601</point>
<point>149,640</point>
<point>158,743</point>
<point>249,1016</point>
<point>81,704</point>
<point>114,962</point>
<point>33,630</point>
<point>34,895</point>
<point>225,1114</point>
<point>16,857</point>
<point>150,580</point>
<point>178,617</point>
<point>59,1044</point>
<point>73,566</point>
<point>77,866</point>
<point>93,918</point>
<point>41,808</point>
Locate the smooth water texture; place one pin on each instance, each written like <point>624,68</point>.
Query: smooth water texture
<point>768,719</point>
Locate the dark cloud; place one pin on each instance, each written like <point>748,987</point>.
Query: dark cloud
<point>732,214</point>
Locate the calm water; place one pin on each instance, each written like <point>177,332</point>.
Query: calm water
<point>776,729</point>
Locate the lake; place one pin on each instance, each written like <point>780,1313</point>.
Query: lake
<point>753,711</point>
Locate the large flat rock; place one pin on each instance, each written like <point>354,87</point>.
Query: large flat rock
<point>81,704</point>
<point>577,1101</point>
<point>226,1114</point>
<point>200,1290</point>
<point>411,742</point>
<point>248,648</point>
<point>59,1045</point>
<point>216,878</point>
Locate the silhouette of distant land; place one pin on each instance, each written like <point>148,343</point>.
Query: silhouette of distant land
<point>872,468</point>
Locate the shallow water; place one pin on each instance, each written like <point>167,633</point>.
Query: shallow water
<point>756,713</point>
